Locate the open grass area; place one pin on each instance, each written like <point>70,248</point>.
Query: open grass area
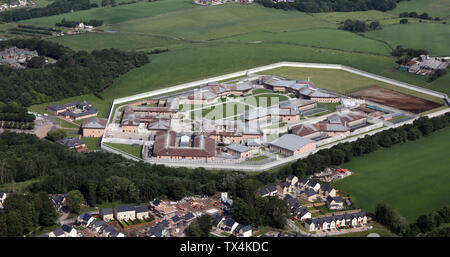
<point>328,38</point>
<point>119,13</point>
<point>131,149</point>
<point>92,143</point>
<point>412,177</point>
<point>17,187</point>
<point>435,8</point>
<point>407,35</point>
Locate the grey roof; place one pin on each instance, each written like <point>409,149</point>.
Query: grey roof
<point>239,148</point>
<point>291,142</point>
<point>70,142</point>
<point>124,208</point>
<point>310,192</point>
<point>58,199</point>
<point>107,211</point>
<point>66,228</point>
<point>229,222</point>
<point>284,184</point>
<point>114,233</point>
<point>1,194</point>
<point>246,228</point>
<point>140,209</point>
<point>98,223</point>
<point>188,216</point>
<point>253,142</point>
<point>272,188</point>
<point>326,188</point>
<point>58,232</point>
<point>95,122</point>
<point>155,231</point>
<point>336,127</point>
<point>86,216</point>
<point>110,229</point>
<point>176,219</point>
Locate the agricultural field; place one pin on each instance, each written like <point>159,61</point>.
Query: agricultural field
<point>411,177</point>
<point>327,38</point>
<point>435,8</point>
<point>395,99</point>
<point>406,35</point>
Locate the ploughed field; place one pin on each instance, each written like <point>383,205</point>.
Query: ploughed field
<point>395,99</point>
<point>412,178</point>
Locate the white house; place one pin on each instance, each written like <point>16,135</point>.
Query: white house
<point>125,212</point>
<point>2,199</point>
<point>69,231</point>
<point>85,219</point>
<point>245,231</point>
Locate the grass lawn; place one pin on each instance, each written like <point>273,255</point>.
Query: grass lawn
<point>411,177</point>
<point>19,187</point>
<point>133,150</point>
<point>92,143</point>
<point>257,158</point>
<point>435,8</point>
<point>407,34</point>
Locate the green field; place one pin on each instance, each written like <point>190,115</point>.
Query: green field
<point>412,177</point>
<point>92,143</point>
<point>327,38</point>
<point>119,13</point>
<point>435,8</point>
<point>133,150</point>
<point>435,37</point>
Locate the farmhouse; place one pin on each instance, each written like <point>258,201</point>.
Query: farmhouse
<point>170,146</point>
<point>240,151</point>
<point>125,212</point>
<point>74,110</point>
<point>94,127</point>
<point>292,145</point>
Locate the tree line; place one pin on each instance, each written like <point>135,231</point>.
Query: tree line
<point>316,6</point>
<point>359,26</point>
<point>72,24</point>
<point>405,54</point>
<point>425,225</point>
<point>57,7</point>
<point>74,73</point>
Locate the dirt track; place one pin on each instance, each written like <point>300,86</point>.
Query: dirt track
<point>395,99</point>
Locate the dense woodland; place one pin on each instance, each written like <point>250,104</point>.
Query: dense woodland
<point>74,73</point>
<point>315,6</point>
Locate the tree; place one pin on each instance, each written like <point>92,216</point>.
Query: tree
<point>200,227</point>
<point>403,21</point>
<point>3,227</point>
<point>374,25</point>
<point>276,212</point>
<point>14,223</point>
<point>444,212</point>
<point>426,223</point>
<point>36,62</point>
<point>74,201</point>
<point>105,3</point>
<point>47,212</point>
<point>244,213</point>
<point>55,135</point>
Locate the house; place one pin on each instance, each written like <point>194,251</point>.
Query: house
<point>94,127</point>
<point>292,202</point>
<point>312,184</point>
<point>107,214</point>
<point>98,225</point>
<point>292,179</point>
<point>268,191</point>
<point>290,144</point>
<point>245,231</point>
<point>310,194</point>
<point>301,213</point>
<point>162,209</point>
<point>161,229</point>
<point>228,225</point>
<point>326,191</point>
<point>69,231</point>
<point>125,212</point>
<point>85,219</point>
<point>240,151</point>
<point>59,201</point>
<point>111,231</point>
<point>176,220</point>
<point>335,203</point>
<point>218,219</point>
<point>2,199</point>
<point>284,188</point>
<point>188,217</point>
<point>72,143</point>
<point>142,212</point>
<point>336,221</point>
<point>58,232</point>
<point>116,234</point>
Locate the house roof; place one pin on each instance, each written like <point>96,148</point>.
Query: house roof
<point>98,223</point>
<point>140,209</point>
<point>58,199</point>
<point>94,123</point>
<point>70,142</point>
<point>1,194</point>
<point>188,216</point>
<point>239,148</point>
<point>86,216</point>
<point>66,228</point>
<point>229,222</point>
<point>246,228</point>
<point>291,142</point>
<point>107,211</point>
<point>125,208</point>
<point>176,219</point>
<point>58,232</point>
<point>310,192</point>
